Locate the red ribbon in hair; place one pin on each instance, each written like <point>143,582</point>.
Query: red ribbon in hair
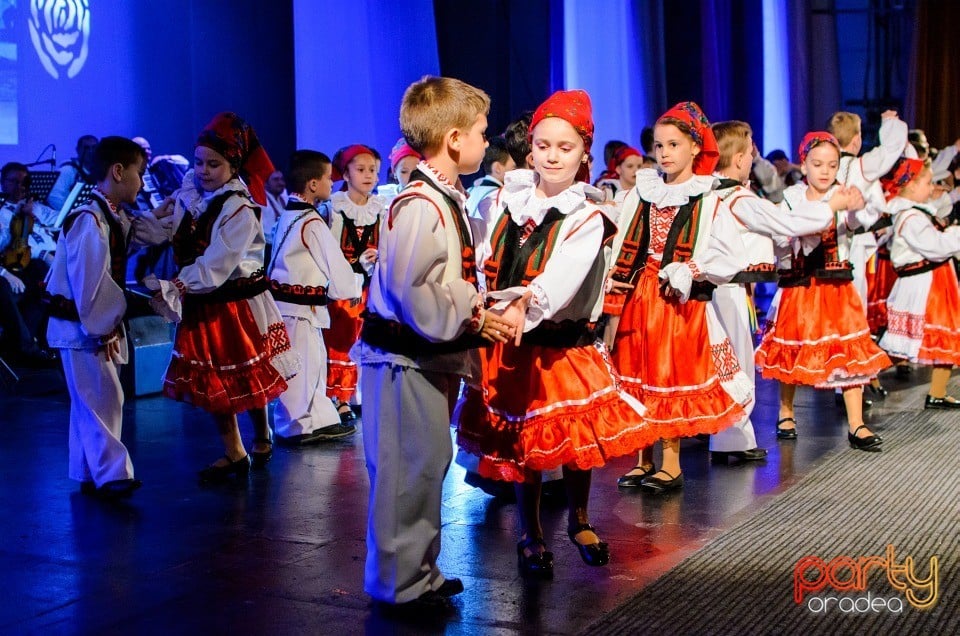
<point>401,150</point>
<point>347,154</point>
<point>813,139</point>
<point>690,114</point>
<point>574,107</point>
<point>236,140</point>
<point>902,173</point>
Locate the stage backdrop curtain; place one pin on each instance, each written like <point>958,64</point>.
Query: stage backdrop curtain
<point>933,100</point>
<point>353,62</point>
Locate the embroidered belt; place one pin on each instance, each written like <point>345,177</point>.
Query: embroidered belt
<point>759,273</point>
<point>299,294</point>
<point>232,290</point>
<point>920,267</point>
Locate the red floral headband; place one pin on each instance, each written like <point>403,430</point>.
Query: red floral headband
<point>690,114</point>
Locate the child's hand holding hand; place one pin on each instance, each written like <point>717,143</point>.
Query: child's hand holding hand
<point>616,287</point>
<point>846,198</point>
<point>164,210</point>
<point>495,328</point>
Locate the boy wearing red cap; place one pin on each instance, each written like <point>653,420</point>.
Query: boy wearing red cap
<point>923,315</point>
<point>677,240</point>
<point>355,214</point>
<point>550,397</point>
<point>425,318</point>
<point>817,333</point>
<point>231,352</point>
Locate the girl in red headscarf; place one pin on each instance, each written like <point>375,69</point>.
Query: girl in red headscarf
<point>676,241</point>
<point>354,215</point>
<point>550,397</point>
<point>923,310</point>
<point>621,171</point>
<point>231,353</point>
<point>817,333</point>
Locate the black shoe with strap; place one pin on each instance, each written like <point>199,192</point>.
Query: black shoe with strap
<point>537,565</point>
<point>594,554</point>
<point>214,474</point>
<point>259,459</point>
<point>659,486</point>
<point>945,403</point>
<point>870,443</point>
<point>633,481</point>
<point>786,433</point>
<point>749,455</point>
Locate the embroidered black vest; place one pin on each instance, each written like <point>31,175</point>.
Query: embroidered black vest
<point>924,265</point>
<point>193,236</point>
<point>681,239</point>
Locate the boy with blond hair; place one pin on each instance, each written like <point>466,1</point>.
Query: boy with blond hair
<point>425,319</point>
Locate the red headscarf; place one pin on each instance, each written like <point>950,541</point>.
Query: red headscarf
<point>400,150</point>
<point>813,139</point>
<point>345,155</point>
<point>619,157</point>
<point>236,140</point>
<point>573,107</point>
<point>902,173</point>
<point>690,114</point>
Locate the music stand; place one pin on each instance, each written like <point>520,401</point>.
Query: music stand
<point>79,195</point>
<point>41,183</point>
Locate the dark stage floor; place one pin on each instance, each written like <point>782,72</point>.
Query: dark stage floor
<point>284,553</point>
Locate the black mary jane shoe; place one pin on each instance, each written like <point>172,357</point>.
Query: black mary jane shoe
<point>786,433</point>
<point>749,455</point>
<point>871,443</point>
<point>659,486</point>
<point>259,459</point>
<point>537,565</point>
<point>214,474</point>
<point>878,391</point>
<point>348,417</point>
<point>594,554</point>
<point>946,403</point>
<point>633,481</point>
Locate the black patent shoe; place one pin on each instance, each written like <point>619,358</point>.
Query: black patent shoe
<point>749,455</point>
<point>878,391</point>
<point>430,604</point>
<point>787,433</point>
<point>659,486</point>
<point>214,474</point>
<point>946,403</point>
<point>633,481</point>
<point>594,554</point>
<point>117,489</point>
<point>348,417</point>
<point>259,459</point>
<point>871,443</point>
<point>537,565</point>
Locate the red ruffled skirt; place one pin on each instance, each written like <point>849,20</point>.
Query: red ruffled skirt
<point>818,336</point>
<point>230,357</point>
<point>677,360</point>
<point>344,331</point>
<point>540,408</point>
<point>880,280</point>
<point>924,318</point>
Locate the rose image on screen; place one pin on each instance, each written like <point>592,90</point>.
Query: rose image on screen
<point>60,31</point>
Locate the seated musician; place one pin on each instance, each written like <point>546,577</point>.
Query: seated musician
<point>24,230</point>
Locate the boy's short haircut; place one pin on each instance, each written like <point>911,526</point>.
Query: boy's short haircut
<point>732,137</point>
<point>646,140</point>
<point>304,166</point>
<point>13,166</point>
<point>434,106</point>
<point>517,136</point>
<point>610,148</point>
<point>114,150</point>
<point>844,126</point>
<point>496,151</point>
